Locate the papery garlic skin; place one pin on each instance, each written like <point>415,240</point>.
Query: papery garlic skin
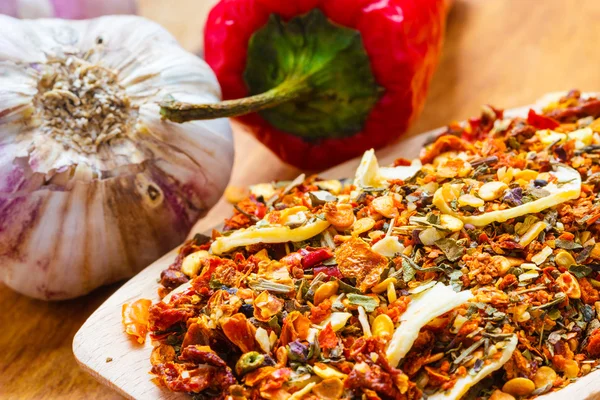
<point>74,219</point>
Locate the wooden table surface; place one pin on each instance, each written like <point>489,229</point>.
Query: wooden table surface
<point>502,52</point>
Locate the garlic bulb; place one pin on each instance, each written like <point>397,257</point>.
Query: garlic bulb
<point>70,9</point>
<point>93,184</point>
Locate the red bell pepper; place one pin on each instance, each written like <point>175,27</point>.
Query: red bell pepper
<point>327,79</point>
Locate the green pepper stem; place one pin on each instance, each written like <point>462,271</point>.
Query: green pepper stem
<point>288,90</point>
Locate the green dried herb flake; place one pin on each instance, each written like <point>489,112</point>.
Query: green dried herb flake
<point>580,271</point>
<point>567,244</point>
<point>368,303</point>
<point>453,249</point>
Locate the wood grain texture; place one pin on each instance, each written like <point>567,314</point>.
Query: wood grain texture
<point>505,52</point>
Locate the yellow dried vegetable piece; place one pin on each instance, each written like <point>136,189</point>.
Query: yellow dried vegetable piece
<point>384,205</point>
<point>235,194</point>
<point>567,283</point>
<point>470,200</point>
<point>564,259</point>
<point>268,234</point>
<point>325,291</point>
<point>519,387</point>
<point>333,186</point>
<point>191,263</point>
<point>266,190</point>
<point>583,137</point>
<point>451,223</point>
<point>543,376</point>
<point>302,392</point>
<point>383,326</point>
<point>324,371</point>
<point>492,190</point>
<point>532,233</point>
<point>329,389</point>
<point>362,225</point>
<point>383,285</point>
<point>526,174</point>
<point>500,395</point>
<point>571,369</point>
<point>569,189</point>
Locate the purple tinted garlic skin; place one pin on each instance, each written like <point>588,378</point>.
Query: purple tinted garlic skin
<point>94,185</point>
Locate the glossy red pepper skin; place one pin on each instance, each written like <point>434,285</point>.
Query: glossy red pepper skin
<point>402,39</point>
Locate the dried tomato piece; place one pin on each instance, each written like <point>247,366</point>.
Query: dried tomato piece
<point>190,378</point>
<point>135,318</point>
<point>172,278</point>
<point>355,259</point>
<point>239,331</point>
<point>163,316</point>
<point>442,144</point>
<point>589,295</point>
<point>202,355</point>
<point>295,326</point>
<point>593,347</point>
<point>266,306</point>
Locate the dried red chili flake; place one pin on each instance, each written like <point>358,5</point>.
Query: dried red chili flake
<point>247,212</point>
<point>590,108</point>
<point>372,377</point>
<point>541,121</point>
<point>321,312</point>
<point>327,338</point>
<point>402,162</point>
<point>292,260</point>
<point>276,379</point>
<point>332,272</point>
<point>312,257</point>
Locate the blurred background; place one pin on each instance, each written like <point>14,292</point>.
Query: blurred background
<point>502,52</point>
